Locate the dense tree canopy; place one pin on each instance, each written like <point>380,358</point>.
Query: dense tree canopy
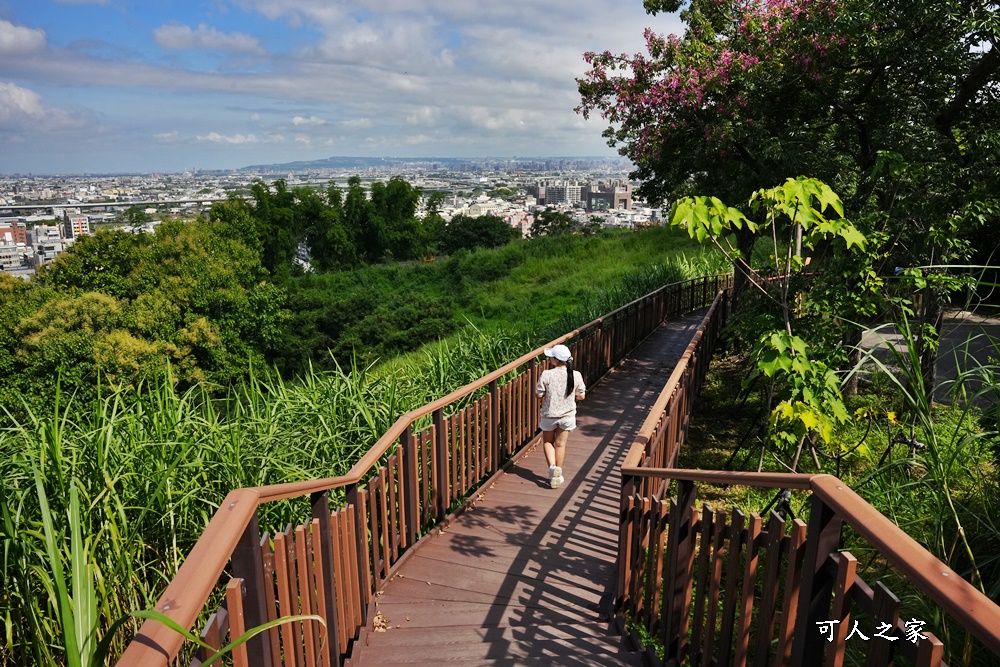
<point>468,232</point>
<point>122,307</point>
<point>893,104</point>
<point>757,91</point>
<point>211,299</point>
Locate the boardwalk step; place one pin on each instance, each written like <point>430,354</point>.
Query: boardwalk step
<point>584,644</point>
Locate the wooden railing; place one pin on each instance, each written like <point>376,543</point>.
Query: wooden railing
<point>720,588</point>
<point>407,483</point>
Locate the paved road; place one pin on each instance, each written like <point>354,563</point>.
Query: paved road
<point>968,340</point>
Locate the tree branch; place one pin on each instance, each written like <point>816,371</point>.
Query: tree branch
<point>980,75</point>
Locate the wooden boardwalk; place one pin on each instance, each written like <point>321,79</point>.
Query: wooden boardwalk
<point>525,576</point>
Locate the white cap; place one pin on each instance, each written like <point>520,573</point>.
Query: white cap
<point>560,352</point>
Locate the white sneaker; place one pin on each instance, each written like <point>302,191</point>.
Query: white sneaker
<point>556,477</point>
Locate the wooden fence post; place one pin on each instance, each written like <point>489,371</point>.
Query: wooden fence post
<point>494,426</point>
<point>321,512</point>
<point>441,498</point>
<point>411,497</point>
<point>677,598</point>
<point>360,540</point>
<point>822,539</point>
<point>248,565</point>
<point>625,541</point>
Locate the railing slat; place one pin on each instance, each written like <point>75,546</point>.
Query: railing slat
<point>396,515</point>
<point>323,566</point>
<point>215,629</point>
<point>885,610</point>
<point>411,487</point>
<point>719,550</point>
<point>237,620</point>
<point>736,542</point>
<point>823,539</point>
<point>704,552</point>
<point>790,607</point>
<point>303,563</point>
<point>383,522</point>
<point>678,586</point>
<point>267,558</point>
<point>752,551</point>
<point>291,639</point>
<point>345,624</point>
<point>661,514</point>
<point>847,566</point>
<point>930,651</point>
<point>772,563</point>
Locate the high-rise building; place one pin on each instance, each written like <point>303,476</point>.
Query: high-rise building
<point>550,193</point>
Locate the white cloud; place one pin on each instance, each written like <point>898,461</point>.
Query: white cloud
<point>19,102</point>
<point>18,40</point>
<point>167,137</point>
<point>487,119</point>
<point>311,120</point>
<point>425,116</point>
<point>182,37</point>
<point>303,139</point>
<point>418,139</point>
<point>357,124</point>
<point>217,138</point>
<point>255,117</point>
<point>22,109</point>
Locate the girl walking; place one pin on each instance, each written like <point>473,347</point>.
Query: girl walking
<point>559,387</point>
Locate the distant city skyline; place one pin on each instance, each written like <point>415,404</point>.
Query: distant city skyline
<point>102,86</point>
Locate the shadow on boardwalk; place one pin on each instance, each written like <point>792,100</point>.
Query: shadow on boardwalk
<point>526,576</point>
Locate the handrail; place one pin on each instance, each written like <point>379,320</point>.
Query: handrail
<point>977,612</point>
<point>641,440</point>
<point>382,445</point>
<point>646,471</point>
<point>184,597</point>
<point>155,643</point>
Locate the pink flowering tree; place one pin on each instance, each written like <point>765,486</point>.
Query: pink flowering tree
<point>894,104</point>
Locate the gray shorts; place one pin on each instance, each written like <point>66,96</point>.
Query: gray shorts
<point>567,423</point>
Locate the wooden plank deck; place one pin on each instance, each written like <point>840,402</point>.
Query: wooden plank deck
<point>526,575</point>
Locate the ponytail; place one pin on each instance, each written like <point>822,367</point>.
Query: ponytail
<point>570,380</point>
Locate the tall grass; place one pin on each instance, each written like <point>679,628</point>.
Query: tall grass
<point>148,471</point>
<point>945,491</point>
<point>100,501</point>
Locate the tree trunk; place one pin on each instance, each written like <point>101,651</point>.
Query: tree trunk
<point>741,265</point>
<point>932,314</point>
<point>852,343</point>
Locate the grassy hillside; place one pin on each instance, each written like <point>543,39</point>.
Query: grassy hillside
<point>528,287</point>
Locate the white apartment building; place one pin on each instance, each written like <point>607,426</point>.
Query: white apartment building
<point>46,241</point>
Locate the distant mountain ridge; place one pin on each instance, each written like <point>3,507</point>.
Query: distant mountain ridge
<point>446,163</point>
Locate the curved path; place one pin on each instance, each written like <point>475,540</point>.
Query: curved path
<point>525,576</point>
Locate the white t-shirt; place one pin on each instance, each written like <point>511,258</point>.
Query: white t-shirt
<point>552,388</point>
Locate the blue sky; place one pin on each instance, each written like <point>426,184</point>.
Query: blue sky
<point>168,85</point>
